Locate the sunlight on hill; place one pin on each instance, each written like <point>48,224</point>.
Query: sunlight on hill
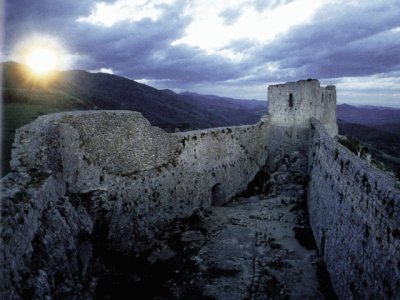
<point>43,55</point>
<point>42,60</point>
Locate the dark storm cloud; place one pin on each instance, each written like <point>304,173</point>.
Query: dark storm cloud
<point>340,43</point>
<point>191,65</point>
<point>143,50</point>
<point>261,5</point>
<point>54,17</point>
<point>44,9</point>
<point>230,16</point>
<point>133,49</point>
<point>152,56</point>
<point>342,40</point>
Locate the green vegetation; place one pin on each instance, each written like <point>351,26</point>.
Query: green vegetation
<point>42,96</point>
<point>16,115</point>
<point>379,132</point>
<point>336,154</point>
<point>380,160</point>
<point>353,145</point>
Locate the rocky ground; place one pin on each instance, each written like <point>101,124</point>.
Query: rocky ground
<point>259,246</point>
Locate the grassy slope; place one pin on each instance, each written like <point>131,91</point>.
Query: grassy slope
<point>22,106</point>
<point>16,115</point>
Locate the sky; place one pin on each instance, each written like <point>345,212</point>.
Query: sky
<point>232,48</point>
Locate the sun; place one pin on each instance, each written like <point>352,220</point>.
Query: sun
<point>43,55</point>
<point>42,60</point>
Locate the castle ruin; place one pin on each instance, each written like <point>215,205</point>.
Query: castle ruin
<point>293,104</point>
<point>74,172</point>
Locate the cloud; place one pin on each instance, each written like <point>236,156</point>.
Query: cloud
<point>215,25</point>
<point>233,48</point>
<point>230,16</point>
<point>27,18</point>
<point>367,89</point>
<point>144,49</point>
<point>352,40</point>
<point>108,14</point>
<point>106,70</point>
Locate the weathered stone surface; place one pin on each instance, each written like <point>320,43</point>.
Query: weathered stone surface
<point>111,177</point>
<point>355,216</point>
<point>91,189</point>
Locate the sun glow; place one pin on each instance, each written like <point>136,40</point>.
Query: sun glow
<point>42,60</point>
<point>42,55</point>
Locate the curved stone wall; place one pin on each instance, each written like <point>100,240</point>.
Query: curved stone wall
<point>111,175</point>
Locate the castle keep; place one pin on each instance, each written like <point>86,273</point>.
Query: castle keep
<point>111,173</point>
<point>293,104</point>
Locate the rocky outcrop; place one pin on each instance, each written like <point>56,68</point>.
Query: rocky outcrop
<point>355,217</point>
<point>86,179</point>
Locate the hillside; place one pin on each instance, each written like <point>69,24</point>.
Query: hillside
<point>234,109</point>
<point>25,99</point>
<point>378,128</point>
<point>72,90</point>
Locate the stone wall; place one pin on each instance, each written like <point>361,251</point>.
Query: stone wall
<point>110,180</point>
<point>355,217</point>
<point>110,176</point>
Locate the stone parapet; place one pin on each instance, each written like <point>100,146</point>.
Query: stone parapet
<point>355,217</point>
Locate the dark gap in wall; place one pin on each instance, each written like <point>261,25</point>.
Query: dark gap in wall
<point>217,195</point>
<point>322,245</point>
<point>290,100</point>
<point>324,281</point>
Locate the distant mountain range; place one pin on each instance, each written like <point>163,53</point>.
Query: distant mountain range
<point>368,115</point>
<point>24,99</point>
<point>73,90</point>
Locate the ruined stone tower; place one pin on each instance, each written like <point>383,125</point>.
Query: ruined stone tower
<point>292,105</point>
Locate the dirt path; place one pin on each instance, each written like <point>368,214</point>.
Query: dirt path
<point>255,254</point>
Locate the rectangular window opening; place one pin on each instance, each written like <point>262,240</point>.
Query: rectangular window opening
<point>290,100</point>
